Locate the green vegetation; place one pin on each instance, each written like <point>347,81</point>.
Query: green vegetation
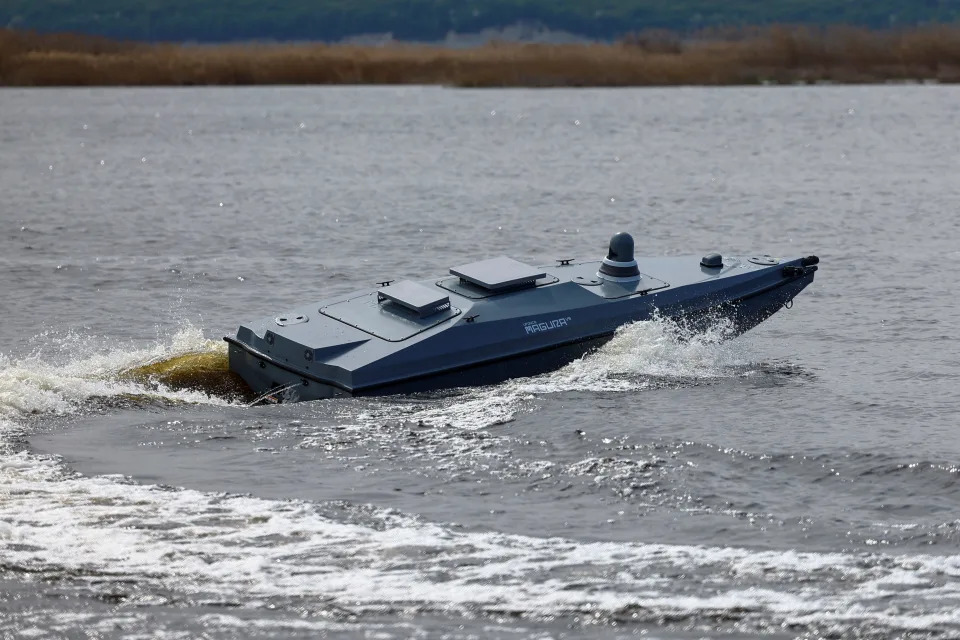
<point>428,20</point>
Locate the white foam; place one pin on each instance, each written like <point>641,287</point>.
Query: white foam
<point>245,548</point>
<point>640,355</point>
<point>242,547</point>
<point>59,383</point>
<point>638,351</point>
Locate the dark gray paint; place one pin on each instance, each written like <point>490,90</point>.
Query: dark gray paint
<point>422,300</point>
<point>392,347</point>
<point>497,274</point>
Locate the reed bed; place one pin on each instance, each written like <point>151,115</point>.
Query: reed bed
<point>744,56</point>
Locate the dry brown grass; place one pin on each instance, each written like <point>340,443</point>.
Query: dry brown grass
<point>779,55</point>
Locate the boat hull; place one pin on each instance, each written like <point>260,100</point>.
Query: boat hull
<point>285,383</point>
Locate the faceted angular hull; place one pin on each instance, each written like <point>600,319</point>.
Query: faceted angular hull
<point>471,329</point>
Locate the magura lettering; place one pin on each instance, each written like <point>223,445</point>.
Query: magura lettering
<point>535,326</point>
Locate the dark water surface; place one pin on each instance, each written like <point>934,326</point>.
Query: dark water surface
<point>802,480</point>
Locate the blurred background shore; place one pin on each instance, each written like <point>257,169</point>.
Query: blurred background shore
<point>778,55</point>
<point>476,43</point>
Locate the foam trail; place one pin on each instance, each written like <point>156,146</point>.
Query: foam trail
<point>650,349</point>
<point>640,355</point>
<point>234,548</point>
<point>57,384</point>
<point>210,547</point>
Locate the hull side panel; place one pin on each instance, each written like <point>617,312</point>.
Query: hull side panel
<point>289,384</point>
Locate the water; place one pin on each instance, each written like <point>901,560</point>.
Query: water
<point>798,481</point>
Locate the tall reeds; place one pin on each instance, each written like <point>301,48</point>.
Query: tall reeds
<point>742,56</point>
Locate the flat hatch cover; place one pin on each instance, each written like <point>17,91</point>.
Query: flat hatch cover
<point>385,319</point>
<point>497,274</point>
<point>422,300</point>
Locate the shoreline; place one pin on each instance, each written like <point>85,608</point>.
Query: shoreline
<point>773,56</point>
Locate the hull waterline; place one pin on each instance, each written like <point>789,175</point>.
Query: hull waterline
<point>278,379</point>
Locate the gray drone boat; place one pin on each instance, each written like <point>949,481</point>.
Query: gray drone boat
<point>488,321</point>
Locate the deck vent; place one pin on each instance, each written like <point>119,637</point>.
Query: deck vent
<point>417,298</point>
<point>619,263</point>
<point>499,274</point>
<point>712,260</point>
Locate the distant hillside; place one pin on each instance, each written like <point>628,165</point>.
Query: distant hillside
<point>430,20</point>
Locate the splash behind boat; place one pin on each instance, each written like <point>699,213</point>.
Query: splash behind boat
<point>495,319</point>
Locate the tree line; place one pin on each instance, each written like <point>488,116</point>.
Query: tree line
<point>431,20</point>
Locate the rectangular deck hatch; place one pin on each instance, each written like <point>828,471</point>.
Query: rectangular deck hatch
<point>386,318</point>
<point>498,274</point>
<point>422,300</point>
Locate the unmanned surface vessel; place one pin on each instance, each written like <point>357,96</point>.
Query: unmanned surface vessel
<point>495,319</point>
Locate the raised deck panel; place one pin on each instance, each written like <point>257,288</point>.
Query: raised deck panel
<point>372,315</point>
<point>466,289</point>
<point>612,290</point>
<point>498,274</point>
<point>422,300</point>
